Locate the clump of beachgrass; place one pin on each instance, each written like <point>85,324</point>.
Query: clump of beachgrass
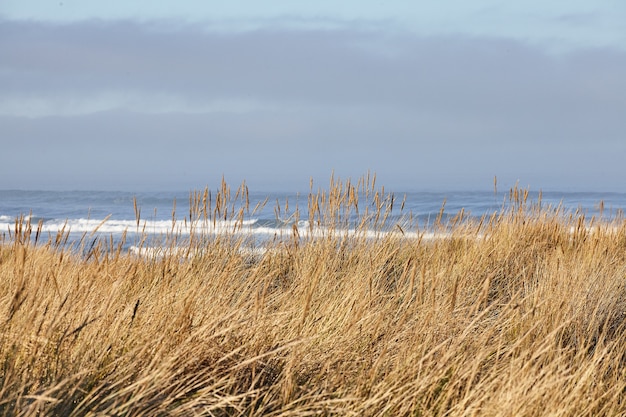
<point>519,313</point>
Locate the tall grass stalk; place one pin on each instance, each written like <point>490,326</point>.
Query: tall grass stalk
<point>519,313</point>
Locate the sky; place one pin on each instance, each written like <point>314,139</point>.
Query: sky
<point>135,95</point>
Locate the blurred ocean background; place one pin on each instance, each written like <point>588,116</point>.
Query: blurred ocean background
<point>113,214</point>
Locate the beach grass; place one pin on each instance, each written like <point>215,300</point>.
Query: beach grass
<point>519,313</point>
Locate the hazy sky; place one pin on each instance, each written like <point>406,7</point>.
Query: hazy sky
<point>135,95</point>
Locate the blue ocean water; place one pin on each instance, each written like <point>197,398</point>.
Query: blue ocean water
<point>160,213</point>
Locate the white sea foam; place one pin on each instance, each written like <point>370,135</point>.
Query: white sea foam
<point>11,219</point>
<point>253,253</point>
<point>157,227</point>
<point>302,229</point>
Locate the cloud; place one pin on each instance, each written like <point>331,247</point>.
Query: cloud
<point>296,66</point>
<point>309,100</point>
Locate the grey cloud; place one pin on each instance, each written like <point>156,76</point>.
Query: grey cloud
<point>333,66</point>
<point>408,106</point>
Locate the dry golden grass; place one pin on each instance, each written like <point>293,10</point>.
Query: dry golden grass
<point>521,314</point>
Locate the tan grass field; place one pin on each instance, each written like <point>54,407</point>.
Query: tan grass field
<point>520,314</point>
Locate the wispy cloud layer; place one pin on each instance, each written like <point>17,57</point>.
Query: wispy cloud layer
<point>123,61</point>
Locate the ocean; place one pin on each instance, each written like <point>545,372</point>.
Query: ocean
<point>160,214</point>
